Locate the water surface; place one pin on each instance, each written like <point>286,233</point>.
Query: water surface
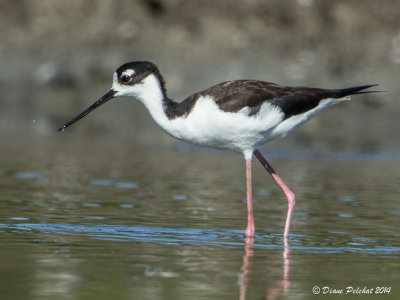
<point>164,224</point>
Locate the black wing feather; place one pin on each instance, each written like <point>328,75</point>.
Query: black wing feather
<point>233,96</point>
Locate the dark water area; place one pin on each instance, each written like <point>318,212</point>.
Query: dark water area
<point>168,224</point>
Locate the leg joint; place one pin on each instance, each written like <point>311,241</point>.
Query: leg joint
<point>291,198</point>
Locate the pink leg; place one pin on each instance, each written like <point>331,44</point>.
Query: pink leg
<point>288,193</point>
<point>249,199</point>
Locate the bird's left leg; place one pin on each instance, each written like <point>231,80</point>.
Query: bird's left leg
<point>288,193</point>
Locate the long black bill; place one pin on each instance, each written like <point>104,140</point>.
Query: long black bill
<point>99,102</point>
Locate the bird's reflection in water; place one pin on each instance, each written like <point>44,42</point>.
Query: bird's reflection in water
<point>281,287</point>
<point>243,281</point>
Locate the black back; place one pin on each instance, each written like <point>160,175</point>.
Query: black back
<point>232,96</point>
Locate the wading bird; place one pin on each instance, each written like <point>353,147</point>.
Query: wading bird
<point>238,115</point>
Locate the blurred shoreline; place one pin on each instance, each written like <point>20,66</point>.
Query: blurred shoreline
<point>58,57</point>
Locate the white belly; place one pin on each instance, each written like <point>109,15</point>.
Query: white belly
<point>209,126</point>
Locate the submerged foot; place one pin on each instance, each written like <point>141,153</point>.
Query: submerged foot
<point>249,232</point>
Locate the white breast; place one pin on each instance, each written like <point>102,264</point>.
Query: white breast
<point>207,125</point>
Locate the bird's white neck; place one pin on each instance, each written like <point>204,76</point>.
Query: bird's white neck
<point>151,94</point>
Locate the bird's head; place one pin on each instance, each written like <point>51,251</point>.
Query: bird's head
<point>135,79</point>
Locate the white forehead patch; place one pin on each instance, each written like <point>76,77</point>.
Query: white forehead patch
<point>129,72</point>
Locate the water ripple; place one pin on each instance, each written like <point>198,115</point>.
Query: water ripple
<point>209,237</point>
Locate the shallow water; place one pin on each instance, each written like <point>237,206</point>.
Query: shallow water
<point>166,224</point>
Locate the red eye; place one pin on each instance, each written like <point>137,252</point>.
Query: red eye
<point>126,78</point>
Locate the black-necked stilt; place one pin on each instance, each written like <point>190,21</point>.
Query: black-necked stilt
<point>236,115</point>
